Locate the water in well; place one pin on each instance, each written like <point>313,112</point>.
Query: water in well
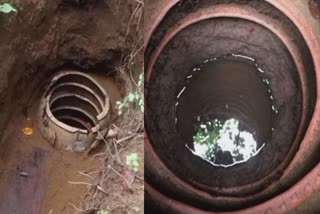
<point>225,110</point>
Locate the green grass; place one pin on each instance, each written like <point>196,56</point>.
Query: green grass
<point>135,97</point>
<point>133,161</point>
<point>103,211</point>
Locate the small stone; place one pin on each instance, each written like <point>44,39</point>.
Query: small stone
<point>112,133</point>
<point>24,174</point>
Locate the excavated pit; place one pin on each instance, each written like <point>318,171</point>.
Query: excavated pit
<point>186,83</point>
<point>56,38</point>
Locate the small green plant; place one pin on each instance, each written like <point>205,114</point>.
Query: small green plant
<point>103,212</point>
<point>133,97</point>
<point>7,8</point>
<point>133,162</point>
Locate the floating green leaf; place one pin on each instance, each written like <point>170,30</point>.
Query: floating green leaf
<point>7,8</point>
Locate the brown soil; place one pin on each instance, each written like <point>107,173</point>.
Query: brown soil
<point>123,190</point>
<point>43,37</point>
<point>60,168</point>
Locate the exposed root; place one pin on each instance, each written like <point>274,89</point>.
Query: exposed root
<point>117,187</point>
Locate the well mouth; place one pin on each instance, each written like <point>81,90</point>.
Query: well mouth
<point>76,100</point>
<point>76,107</point>
<point>217,38</point>
<point>219,66</point>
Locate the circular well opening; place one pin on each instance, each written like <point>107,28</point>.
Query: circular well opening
<point>75,101</point>
<point>272,101</point>
<point>225,110</point>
